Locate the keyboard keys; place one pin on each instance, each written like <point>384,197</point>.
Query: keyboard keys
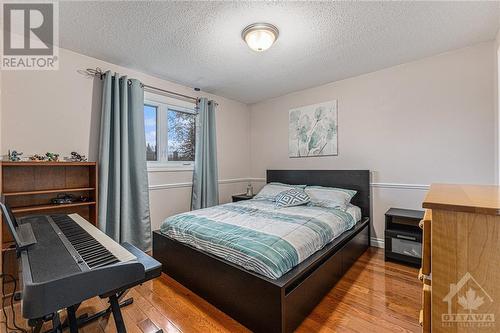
<point>93,253</point>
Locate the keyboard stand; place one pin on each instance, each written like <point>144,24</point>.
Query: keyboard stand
<point>74,323</point>
<point>86,318</point>
<point>117,314</point>
<point>152,269</point>
<point>56,323</point>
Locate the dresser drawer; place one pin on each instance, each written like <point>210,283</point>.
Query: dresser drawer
<point>425,224</point>
<point>425,313</point>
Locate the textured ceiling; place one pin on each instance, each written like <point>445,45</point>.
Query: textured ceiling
<point>198,44</point>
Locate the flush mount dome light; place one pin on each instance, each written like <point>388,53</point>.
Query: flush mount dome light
<point>260,36</point>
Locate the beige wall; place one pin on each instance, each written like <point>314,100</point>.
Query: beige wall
<point>60,111</point>
<point>433,120</point>
<point>427,121</point>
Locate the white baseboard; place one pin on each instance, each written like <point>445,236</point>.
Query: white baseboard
<point>377,242</point>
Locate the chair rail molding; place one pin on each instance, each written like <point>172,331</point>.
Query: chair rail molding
<point>190,184</point>
<point>422,187</point>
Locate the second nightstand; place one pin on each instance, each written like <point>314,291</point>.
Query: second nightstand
<point>403,237</point>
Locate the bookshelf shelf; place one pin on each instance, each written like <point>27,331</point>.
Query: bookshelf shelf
<point>59,190</point>
<point>51,207</point>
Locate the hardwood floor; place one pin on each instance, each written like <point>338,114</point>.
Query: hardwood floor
<point>373,296</point>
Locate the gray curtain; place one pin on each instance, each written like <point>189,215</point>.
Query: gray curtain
<point>205,178</point>
<point>123,180</point>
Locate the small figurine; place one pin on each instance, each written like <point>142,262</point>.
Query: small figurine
<point>14,156</point>
<point>75,157</point>
<point>37,157</point>
<point>52,157</point>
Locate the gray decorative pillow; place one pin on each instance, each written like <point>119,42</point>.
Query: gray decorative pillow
<point>293,197</point>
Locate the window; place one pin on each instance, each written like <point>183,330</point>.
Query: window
<point>150,129</point>
<point>170,129</point>
<point>181,135</point>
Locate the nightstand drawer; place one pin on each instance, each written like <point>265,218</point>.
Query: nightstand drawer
<point>425,224</point>
<point>402,245</point>
<point>406,245</point>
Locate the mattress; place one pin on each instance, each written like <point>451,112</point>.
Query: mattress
<point>258,236</point>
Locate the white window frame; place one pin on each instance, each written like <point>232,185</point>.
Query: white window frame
<point>163,104</point>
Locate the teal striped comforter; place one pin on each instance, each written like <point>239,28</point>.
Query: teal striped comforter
<point>258,236</point>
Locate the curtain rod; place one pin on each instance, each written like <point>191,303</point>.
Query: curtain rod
<point>100,73</point>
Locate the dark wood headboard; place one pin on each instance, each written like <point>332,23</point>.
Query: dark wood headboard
<point>358,180</point>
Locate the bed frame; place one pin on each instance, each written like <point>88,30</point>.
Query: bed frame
<point>260,303</point>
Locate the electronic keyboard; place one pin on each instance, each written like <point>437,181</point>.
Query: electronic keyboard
<point>68,260</point>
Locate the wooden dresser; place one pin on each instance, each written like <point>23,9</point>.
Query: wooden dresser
<point>460,271</point>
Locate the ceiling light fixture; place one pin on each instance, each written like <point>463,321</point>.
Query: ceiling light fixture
<point>260,36</point>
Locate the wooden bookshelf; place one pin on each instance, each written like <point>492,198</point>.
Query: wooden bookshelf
<point>28,187</point>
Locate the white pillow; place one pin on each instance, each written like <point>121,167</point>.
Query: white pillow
<point>354,211</point>
<point>330,197</point>
<point>271,190</point>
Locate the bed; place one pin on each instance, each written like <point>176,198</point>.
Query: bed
<point>278,296</point>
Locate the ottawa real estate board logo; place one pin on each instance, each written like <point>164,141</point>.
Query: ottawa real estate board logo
<point>468,305</point>
<point>30,35</point>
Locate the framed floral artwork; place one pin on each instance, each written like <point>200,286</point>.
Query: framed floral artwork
<point>312,130</point>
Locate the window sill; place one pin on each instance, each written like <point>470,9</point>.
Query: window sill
<point>169,168</point>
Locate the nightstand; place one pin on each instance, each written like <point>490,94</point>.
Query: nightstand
<point>241,197</point>
<point>403,236</point>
